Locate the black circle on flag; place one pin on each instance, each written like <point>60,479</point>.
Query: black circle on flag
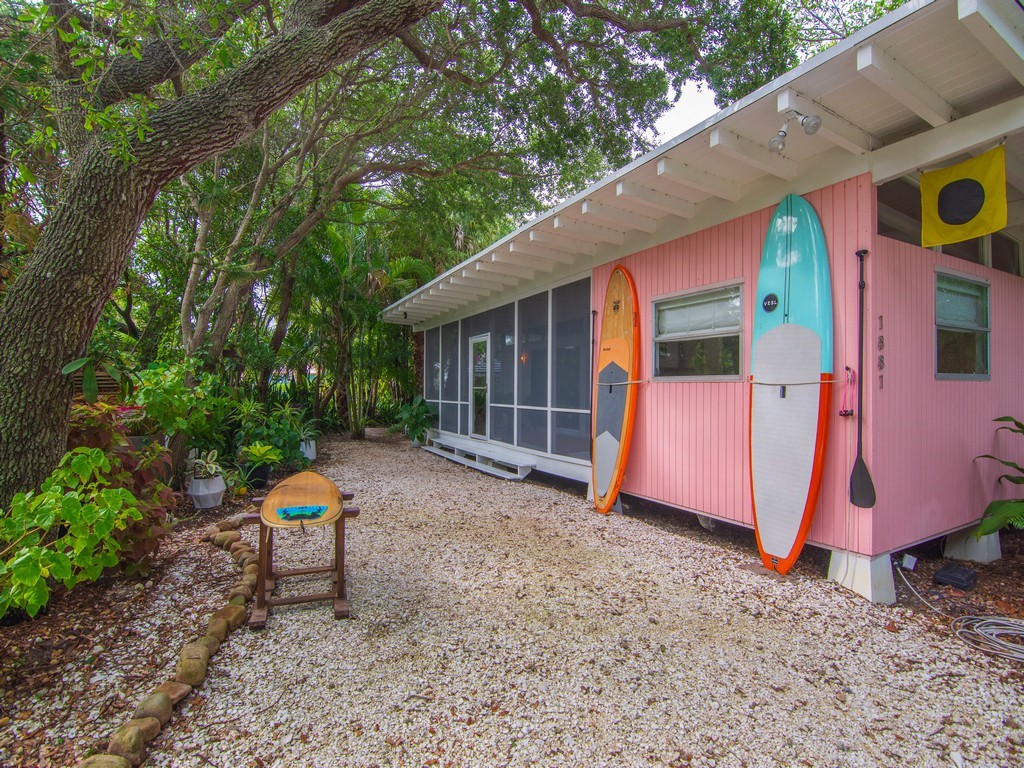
<point>960,201</point>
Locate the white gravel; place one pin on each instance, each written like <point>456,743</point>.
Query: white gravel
<point>497,624</point>
<point>505,624</point>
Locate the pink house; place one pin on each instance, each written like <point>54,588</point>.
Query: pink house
<point>508,333</point>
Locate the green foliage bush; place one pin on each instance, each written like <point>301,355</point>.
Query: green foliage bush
<point>67,530</point>
<point>281,428</point>
<point>140,471</point>
<point>1003,513</point>
<point>416,417</point>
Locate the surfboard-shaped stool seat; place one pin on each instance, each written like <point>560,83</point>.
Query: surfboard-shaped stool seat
<point>304,500</point>
<point>615,392</point>
<point>791,371</point>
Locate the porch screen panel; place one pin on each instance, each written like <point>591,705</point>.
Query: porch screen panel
<point>464,423</point>
<point>450,417</point>
<point>503,423</point>
<point>503,351</point>
<point>533,351</point>
<point>533,429</point>
<point>572,435</point>
<point>450,363</point>
<point>432,365</point>
<point>571,345</point>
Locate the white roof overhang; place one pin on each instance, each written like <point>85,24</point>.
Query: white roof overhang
<point>928,84</point>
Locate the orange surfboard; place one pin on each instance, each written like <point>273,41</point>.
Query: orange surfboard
<point>618,366</point>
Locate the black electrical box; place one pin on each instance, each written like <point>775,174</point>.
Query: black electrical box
<point>957,576</point>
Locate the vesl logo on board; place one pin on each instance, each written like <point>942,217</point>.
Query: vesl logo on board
<point>770,302</point>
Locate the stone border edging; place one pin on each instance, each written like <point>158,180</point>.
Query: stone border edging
<point>127,747</point>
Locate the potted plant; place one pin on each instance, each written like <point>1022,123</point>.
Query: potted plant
<point>415,419</point>
<point>307,438</point>
<point>207,487</point>
<point>257,460</point>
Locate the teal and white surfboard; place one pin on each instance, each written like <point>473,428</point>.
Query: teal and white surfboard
<point>791,372</point>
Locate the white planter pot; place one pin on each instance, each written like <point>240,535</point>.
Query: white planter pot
<point>308,448</point>
<point>207,492</point>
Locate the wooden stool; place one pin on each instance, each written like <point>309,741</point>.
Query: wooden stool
<point>304,500</point>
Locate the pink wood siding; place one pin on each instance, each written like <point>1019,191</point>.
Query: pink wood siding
<point>929,430</point>
<point>691,445</point>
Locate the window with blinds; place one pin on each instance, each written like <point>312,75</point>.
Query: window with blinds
<point>698,334</point>
<point>961,328</point>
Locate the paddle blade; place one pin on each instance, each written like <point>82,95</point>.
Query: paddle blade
<point>862,489</point>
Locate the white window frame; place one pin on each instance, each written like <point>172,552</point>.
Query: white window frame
<point>657,339</point>
<point>987,330</point>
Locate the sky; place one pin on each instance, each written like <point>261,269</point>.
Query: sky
<point>694,106</point>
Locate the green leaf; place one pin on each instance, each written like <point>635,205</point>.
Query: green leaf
<point>112,372</point>
<point>1004,462</point>
<point>999,514</point>
<point>25,568</point>
<point>60,568</point>
<point>1017,426</point>
<point>74,365</point>
<point>90,387</point>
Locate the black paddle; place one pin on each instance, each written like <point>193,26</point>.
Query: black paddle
<point>862,489</point>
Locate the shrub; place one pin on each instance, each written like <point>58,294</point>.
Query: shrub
<point>67,530</point>
<point>1004,512</point>
<point>140,471</point>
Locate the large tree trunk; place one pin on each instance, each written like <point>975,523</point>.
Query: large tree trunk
<point>51,310</point>
<point>53,306</point>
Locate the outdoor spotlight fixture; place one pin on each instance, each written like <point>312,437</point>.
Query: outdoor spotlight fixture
<point>810,123</point>
<point>777,143</point>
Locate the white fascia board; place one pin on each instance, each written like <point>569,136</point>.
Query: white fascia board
<point>946,141</point>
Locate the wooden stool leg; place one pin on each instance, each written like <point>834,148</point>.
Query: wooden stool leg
<point>341,608</point>
<point>271,576</point>
<point>258,618</point>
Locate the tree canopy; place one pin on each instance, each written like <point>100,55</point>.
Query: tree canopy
<point>153,150</point>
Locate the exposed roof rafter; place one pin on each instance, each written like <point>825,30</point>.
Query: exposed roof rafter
<point>561,243</point>
<point>532,262</point>
<point>894,79</point>
<point>587,230</point>
<point>474,277</point>
<point>1002,38</point>
<point>753,154</point>
<point>683,175</point>
<point>525,247</point>
<point>488,265</point>
<point>655,199</point>
<point>474,292</point>
<point>834,128</point>
<point>615,218</point>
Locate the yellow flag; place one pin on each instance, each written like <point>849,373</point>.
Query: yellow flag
<point>965,200</point>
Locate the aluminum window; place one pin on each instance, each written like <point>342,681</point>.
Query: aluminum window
<point>697,335</point>
<point>961,328</point>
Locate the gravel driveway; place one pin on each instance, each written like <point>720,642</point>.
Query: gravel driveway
<point>497,623</point>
